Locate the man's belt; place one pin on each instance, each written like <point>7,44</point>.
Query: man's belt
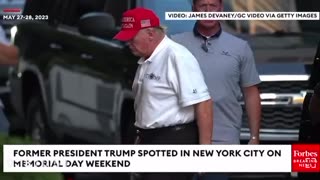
<point>155,131</point>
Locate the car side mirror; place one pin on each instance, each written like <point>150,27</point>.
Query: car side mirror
<point>98,24</point>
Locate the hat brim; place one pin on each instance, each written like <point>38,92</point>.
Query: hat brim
<point>126,35</point>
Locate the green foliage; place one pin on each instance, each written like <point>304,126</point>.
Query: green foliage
<point>22,176</point>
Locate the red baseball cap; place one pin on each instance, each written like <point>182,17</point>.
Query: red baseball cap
<point>134,20</point>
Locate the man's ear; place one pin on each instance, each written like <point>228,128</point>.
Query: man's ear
<point>150,32</point>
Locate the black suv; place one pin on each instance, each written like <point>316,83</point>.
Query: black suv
<point>73,80</point>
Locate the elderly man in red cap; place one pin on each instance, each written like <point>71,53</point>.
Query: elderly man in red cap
<point>172,101</point>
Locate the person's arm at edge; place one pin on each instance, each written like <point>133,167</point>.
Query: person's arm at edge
<point>9,54</point>
<point>253,108</point>
<point>204,116</point>
<point>314,106</point>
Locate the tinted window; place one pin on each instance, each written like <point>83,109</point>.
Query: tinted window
<point>116,8</point>
<point>38,7</point>
<point>74,9</point>
<point>63,11</point>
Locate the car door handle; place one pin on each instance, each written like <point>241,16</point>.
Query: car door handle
<point>86,56</point>
<point>55,46</point>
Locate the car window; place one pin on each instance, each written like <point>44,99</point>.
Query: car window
<point>67,12</point>
<point>116,8</point>
<point>75,9</point>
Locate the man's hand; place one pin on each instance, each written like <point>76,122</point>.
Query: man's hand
<point>9,54</point>
<point>254,141</point>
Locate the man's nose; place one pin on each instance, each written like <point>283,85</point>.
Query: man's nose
<point>207,8</point>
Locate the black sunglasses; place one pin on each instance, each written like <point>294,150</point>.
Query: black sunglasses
<point>205,45</point>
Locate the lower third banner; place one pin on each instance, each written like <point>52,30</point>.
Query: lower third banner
<point>161,158</point>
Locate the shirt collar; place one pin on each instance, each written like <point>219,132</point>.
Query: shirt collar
<point>197,33</point>
<point>160,46</point>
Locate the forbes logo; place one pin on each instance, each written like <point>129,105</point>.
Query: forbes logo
<point>305,158</point>
<point>298,153</point>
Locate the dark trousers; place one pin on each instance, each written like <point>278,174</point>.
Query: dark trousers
<point>180,134</point>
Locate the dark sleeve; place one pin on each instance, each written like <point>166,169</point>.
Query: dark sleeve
<point>315,74</point>
<point>317,89</point>
<point>314,110</point>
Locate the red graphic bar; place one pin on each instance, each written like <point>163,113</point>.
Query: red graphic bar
<point>11,10</point>
<point>305,158</point>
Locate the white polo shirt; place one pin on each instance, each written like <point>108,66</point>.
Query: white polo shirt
<point>166,86</point>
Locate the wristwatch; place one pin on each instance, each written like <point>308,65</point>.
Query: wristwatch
<point>253,137</point>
